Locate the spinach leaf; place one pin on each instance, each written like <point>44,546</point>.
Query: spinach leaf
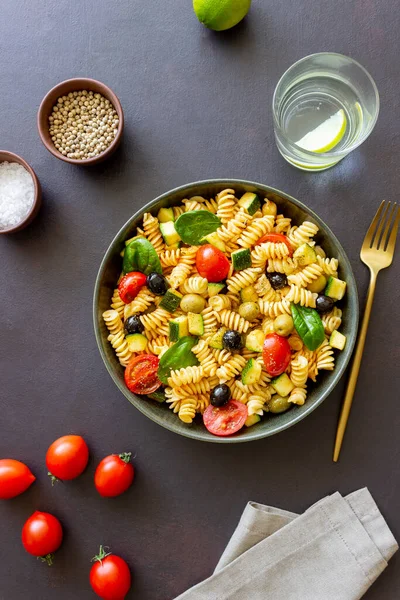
<point>141,256</point>
<point>308,325</point>
<point>192,226</point>
<point>179,356</point>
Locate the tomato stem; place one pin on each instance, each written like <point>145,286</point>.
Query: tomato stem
<point>53,478</point>
<point>102,554</point>
<point>48,558</point>
<point>125,456</point>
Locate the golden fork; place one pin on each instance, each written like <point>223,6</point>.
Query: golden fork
<point>377,253</point>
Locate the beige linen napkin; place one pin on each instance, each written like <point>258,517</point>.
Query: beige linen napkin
<point>334,551</point>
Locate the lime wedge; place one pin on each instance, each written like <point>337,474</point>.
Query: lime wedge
<point>327,135</point>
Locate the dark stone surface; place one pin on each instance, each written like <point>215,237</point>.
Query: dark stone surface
<point>197,105</point>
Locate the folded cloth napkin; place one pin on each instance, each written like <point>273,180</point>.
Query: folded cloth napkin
<point>333,551</point>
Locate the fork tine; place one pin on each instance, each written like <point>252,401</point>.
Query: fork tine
<point>392,240</point>
<point>388,225</point>
<point>372,227</point>
<point>376,238</point>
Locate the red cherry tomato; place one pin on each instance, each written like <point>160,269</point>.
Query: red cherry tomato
<point>130,286</point>
<point>141,374</point>
<point>225,420</point>
<point>67,457</point>
<point>114,475</point>
<point>110,577</point>
<point>211,263</point>
<point>276,354</point>
<point>15,478</point>
<point>276,238</point>
<point>42,535</point>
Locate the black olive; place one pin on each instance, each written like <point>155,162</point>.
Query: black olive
<point>133,325</point>
<point>225,288</point>
<point>277,280</point>
<point>232,340</point>
<point>324,304</point>
<point>220,395</point>
<point>157,284</point>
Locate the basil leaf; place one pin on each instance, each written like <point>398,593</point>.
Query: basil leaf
<point>308,325</point>
<point>179,356</point>
<point>141,256</point>
<point>192,226</point>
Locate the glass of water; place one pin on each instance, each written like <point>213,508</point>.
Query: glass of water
<point>324,106</point>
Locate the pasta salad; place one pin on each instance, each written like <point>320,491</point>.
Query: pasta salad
<point>225,309</point>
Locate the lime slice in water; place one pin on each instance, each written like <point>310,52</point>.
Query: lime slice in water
<point>327,135</point>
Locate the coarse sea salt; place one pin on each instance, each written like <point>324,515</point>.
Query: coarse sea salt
<point>17,194</point>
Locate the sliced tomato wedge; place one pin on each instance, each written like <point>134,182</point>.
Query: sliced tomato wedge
<point>276,238</point>
<point>227,419</point>
<point>141,374</point>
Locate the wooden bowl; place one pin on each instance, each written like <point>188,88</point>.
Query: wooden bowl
<point>62,89</point>
<point>11,157</point>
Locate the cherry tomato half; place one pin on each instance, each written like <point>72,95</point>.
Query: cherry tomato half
<point>110,577</point>
<point>211,263</point>
<point>130,286</point>
<point>15,478</point>
<point>276,354</point>
<point>42,535</point>
<point>276,238</point>
<point>114,475</point>
<point>225,420</point>
<point>67,457</point>
<point>141,374</point>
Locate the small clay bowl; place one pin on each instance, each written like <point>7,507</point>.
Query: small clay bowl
<point>11,157</point>
<point>62,89</point>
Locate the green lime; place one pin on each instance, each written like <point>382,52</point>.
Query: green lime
<point>221,14</point>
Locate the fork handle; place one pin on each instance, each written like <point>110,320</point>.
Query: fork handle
<point>351,384</point>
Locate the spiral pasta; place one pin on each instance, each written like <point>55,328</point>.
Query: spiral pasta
<point>170,258</point>
<point>221,356</point>
<point>192,203</point>
<point>211,205</point>
<point>242,279</point>
<point>301,296</point>
<point>231,367</point>
<point>183,268</point>
<point>256,229</point>
<point>113,321</point>
<point>282,224</point>
<point>203,386</point>
<point>116,303</point>
<point>226,203</point>
<point>267,325</point>
<point>220,302</point>
<point>286,265</point>
<point>325,358</point>
<point>120,345</point>
<point>295,342</point>
<point>202,401</point>
<point>158,345</point>
<point>298,395</point>
<point>305,276</point>
<point>303,234</point>
<point>232,320</point>
<point>194,285</point>
<point>178,211</point>
<point>274,250</point>
<point>205,358</point>
<point>210,320</point>
<point>332,320</point>
<point>141,303</point>
<point>257,401</point>
<point>231,232</point>
<point>274,309</point>
<point>299,371</point>
<point>187,409</point>
<point>328,265</point>
<point>186,375</point>
<point>269,208</point>
<point>155,322</point>
<point>151,229</point>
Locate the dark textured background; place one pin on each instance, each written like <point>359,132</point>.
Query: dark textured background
<point>197,105</point>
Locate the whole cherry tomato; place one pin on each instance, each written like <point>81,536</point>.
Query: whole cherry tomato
<point>141,374</point>
<point>42,535</point>
<point>110,577</point>
<point>276,238</point>
<point>212,263</point>
<point>114,475</point>
<point>67,457</point>
<point>276,354</point>
<point>15,478</point>
<point>130,286</point>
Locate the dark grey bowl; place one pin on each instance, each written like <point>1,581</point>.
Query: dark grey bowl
<point>110,269</point>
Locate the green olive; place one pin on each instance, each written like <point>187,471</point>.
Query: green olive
<point>318,285</point>
<point>283,325</point>
<point>269,208</point>
<point>249,294</point>
<point>277,404</point>
<point>193,303</point>
<point>249,311</point>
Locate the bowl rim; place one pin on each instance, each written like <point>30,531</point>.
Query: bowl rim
<point>15,158</point>
<point>80,81</point>
<point>140,404</point>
